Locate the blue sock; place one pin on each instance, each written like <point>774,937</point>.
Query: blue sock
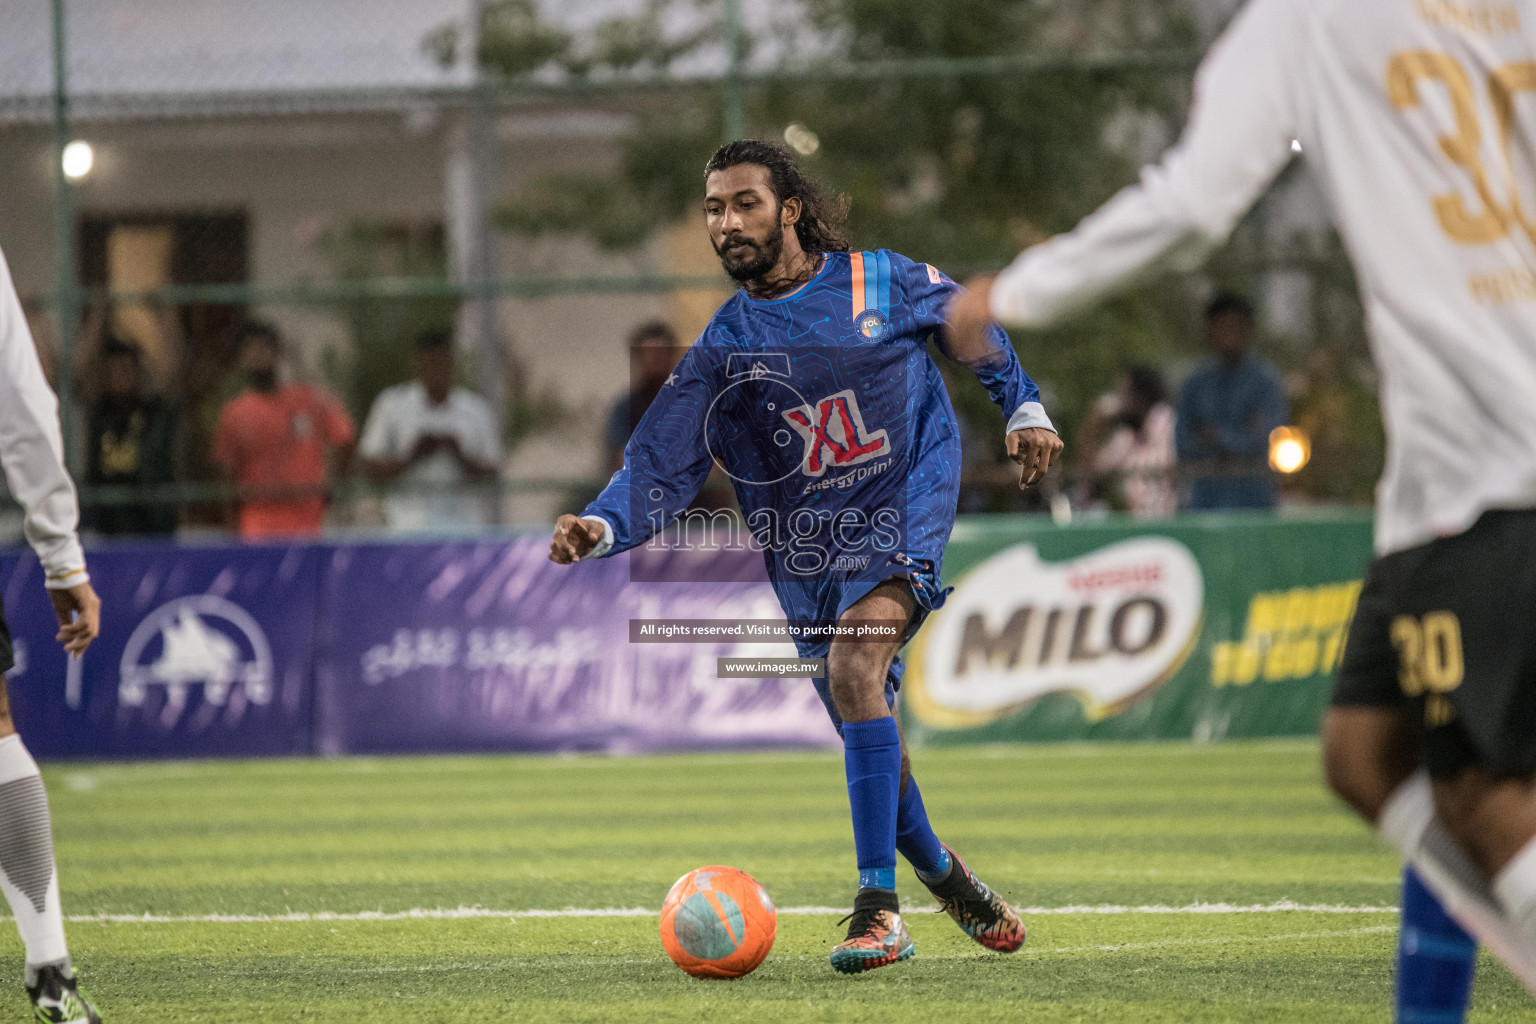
<point>1435,960</point>
<point>872,760</point>
<point>915,838</point>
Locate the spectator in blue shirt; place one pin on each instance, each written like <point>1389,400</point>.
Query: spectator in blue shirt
<point>1226,411</point>
<point>653,351</point>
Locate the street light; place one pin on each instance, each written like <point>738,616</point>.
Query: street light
<point>1289,449</point>
<point>79,158</point>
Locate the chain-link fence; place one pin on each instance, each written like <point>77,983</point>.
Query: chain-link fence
<point>192,184</point>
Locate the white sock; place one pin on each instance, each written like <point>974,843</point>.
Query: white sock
<point>1515,886</point>
<point>1408,822</point>
<point>27,873</point>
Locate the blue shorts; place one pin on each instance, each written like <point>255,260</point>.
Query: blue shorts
<point>927,589</point>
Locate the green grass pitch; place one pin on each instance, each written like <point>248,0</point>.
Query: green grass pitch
<point>1054,827</point>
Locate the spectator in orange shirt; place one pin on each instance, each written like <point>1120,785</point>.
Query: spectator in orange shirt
<point>273,440</point>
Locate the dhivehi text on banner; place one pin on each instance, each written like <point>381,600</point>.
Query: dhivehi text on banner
<point>1201,628</point>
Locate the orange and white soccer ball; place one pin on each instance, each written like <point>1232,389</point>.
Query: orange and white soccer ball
<point>717,922</point>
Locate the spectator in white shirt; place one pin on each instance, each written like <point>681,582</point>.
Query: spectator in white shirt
<point>435,439</point>
<point>1134,462</point>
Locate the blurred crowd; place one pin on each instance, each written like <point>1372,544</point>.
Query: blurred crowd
<point>1140,452</point>
<point>431,450</point>
<point>281,444</point>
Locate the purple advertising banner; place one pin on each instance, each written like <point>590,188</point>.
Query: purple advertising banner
<point>246,650</point>
<point>477,646</point>
<point>203,652</point>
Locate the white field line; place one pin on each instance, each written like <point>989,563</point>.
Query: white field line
<point>467,913</point>
<point>564,961</point>
<point>1280,907</point>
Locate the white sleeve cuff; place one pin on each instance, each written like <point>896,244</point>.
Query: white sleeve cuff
<point>63,562</point>
<point>64,579</point>
<point>606,544</point>
<point>1030,414</point>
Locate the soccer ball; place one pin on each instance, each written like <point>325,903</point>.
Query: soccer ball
<point>717,922</point>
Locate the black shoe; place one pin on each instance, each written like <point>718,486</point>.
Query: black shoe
<point>56,999</point>
<point>980,912</point>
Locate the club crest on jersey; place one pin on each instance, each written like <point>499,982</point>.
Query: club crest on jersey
<point>834,434</point>
<point>872,324</point>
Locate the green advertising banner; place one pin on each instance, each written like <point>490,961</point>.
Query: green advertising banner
<point>1196,628</point>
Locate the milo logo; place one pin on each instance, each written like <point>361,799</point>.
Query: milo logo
<point>1107,628</point>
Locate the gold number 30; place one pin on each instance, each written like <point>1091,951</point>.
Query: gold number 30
<point>1429,653</point>
<point>1494,221</point>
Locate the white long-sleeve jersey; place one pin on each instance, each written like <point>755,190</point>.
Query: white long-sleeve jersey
<point>32,449</point>
<point>1420,118</point>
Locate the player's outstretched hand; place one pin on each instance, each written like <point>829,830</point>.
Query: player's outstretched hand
<point>967,319</point>
<point>79,612</point>
<point>574,539</point>
<point>1034,449</point>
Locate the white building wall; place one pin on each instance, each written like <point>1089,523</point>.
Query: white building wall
<point>294,176</point>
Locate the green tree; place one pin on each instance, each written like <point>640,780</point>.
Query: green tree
<point>383,331</point>
<point>958,170</point>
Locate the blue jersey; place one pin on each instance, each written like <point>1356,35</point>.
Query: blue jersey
<point>833,423</point>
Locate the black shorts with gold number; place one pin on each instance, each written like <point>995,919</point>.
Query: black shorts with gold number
<point>1448,631</point>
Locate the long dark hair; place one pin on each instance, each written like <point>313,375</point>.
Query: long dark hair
<point>821,227</point>
<point>1147,381</point>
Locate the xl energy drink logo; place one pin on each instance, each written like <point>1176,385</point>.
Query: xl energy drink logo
<point>834,434</point>
<point>1107,628</point>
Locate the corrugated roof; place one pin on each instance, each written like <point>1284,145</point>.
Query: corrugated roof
<point>146,58</point>
<point>170,46</point>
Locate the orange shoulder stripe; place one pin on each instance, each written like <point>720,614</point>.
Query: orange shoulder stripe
<point>856,262</point>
